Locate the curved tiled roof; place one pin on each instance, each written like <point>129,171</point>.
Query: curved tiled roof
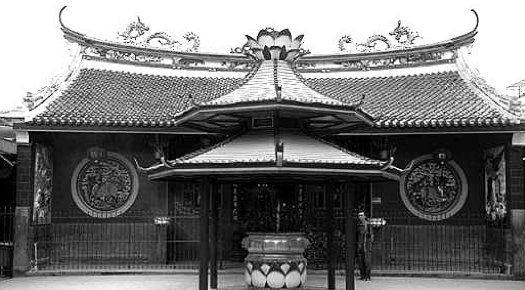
<point>262,87</point>
<point>441,99</point>
<point>439,94</point>
<point>258,150</point>
<point>109,98</point>
<point>259,146</point>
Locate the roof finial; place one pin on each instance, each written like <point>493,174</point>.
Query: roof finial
<point>273,44</point>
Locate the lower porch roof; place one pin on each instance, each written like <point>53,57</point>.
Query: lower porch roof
<point>268,152</point>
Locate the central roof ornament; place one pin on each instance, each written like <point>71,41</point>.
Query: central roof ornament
<point>273,45</point>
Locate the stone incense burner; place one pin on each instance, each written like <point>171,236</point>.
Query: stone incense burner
<point>275,260</point>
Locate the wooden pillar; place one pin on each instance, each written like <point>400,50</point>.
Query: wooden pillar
<point>330,221</point>
<point>213,235</point>
<point>350,228</point>
<point>204,234</point>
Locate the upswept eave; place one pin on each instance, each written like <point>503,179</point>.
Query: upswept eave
<point>383,99</point>
<point>268,153</point>
<point>446,45</point>
<point>82,39</point>
<point>304,63</point>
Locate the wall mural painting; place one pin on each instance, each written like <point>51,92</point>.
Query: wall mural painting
<point>105,184</point>
<point>43,184</point>
<point>495,184</point>
<point>434,189</point>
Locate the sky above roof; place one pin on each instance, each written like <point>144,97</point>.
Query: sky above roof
<point>34,51</point>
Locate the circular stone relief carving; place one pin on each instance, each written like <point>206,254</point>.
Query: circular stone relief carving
<point>105,187</point>
<point>434,189</point>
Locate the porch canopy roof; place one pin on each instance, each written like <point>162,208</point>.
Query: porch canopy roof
<point>279,153</point>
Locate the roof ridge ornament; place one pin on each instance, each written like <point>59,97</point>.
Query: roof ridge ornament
<point>137,29</point>
<point>403,38</point>
<point>273,44</point>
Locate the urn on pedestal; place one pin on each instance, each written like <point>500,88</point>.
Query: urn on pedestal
<point>275,260</point>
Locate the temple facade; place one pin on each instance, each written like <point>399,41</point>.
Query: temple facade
<point>147,154</point>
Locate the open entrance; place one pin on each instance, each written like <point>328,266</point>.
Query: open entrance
<point>277,206</point>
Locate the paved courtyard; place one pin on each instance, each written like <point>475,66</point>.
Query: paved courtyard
<point>232,281</point>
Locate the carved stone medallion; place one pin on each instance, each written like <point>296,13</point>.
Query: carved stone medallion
<point>105,186</point>
<point>434,189</point>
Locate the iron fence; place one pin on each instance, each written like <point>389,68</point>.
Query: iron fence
<point>136,241</point>
<point>466,245</point>
<point>159,241</point>
<point>409,244</point>
<point>7,215</point>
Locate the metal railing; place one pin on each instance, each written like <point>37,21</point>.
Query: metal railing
<point>466,247</point>
<point>408,244</point>
<point>159,241</point>
<point>136,241</point>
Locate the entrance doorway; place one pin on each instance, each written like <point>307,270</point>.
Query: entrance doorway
<point>268,207</point>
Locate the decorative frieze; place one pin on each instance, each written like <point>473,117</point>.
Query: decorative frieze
<point>378,61</point>
<point>167,60</point>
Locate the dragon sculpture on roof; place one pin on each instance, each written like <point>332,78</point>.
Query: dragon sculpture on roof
<point>403,36</point>
<point>134,32</point>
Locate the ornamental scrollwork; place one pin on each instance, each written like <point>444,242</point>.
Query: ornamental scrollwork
<point>135,34</point>
<point>434,189</point>
<point>236,65</point>
<point>403,37</point>
<point>398,61</point>
<point>105,184</point>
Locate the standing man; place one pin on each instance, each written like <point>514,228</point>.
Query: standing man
<point>364,246</point>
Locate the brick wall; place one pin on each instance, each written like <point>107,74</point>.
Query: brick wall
<point>516,174</point>
<point>24,189</point>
